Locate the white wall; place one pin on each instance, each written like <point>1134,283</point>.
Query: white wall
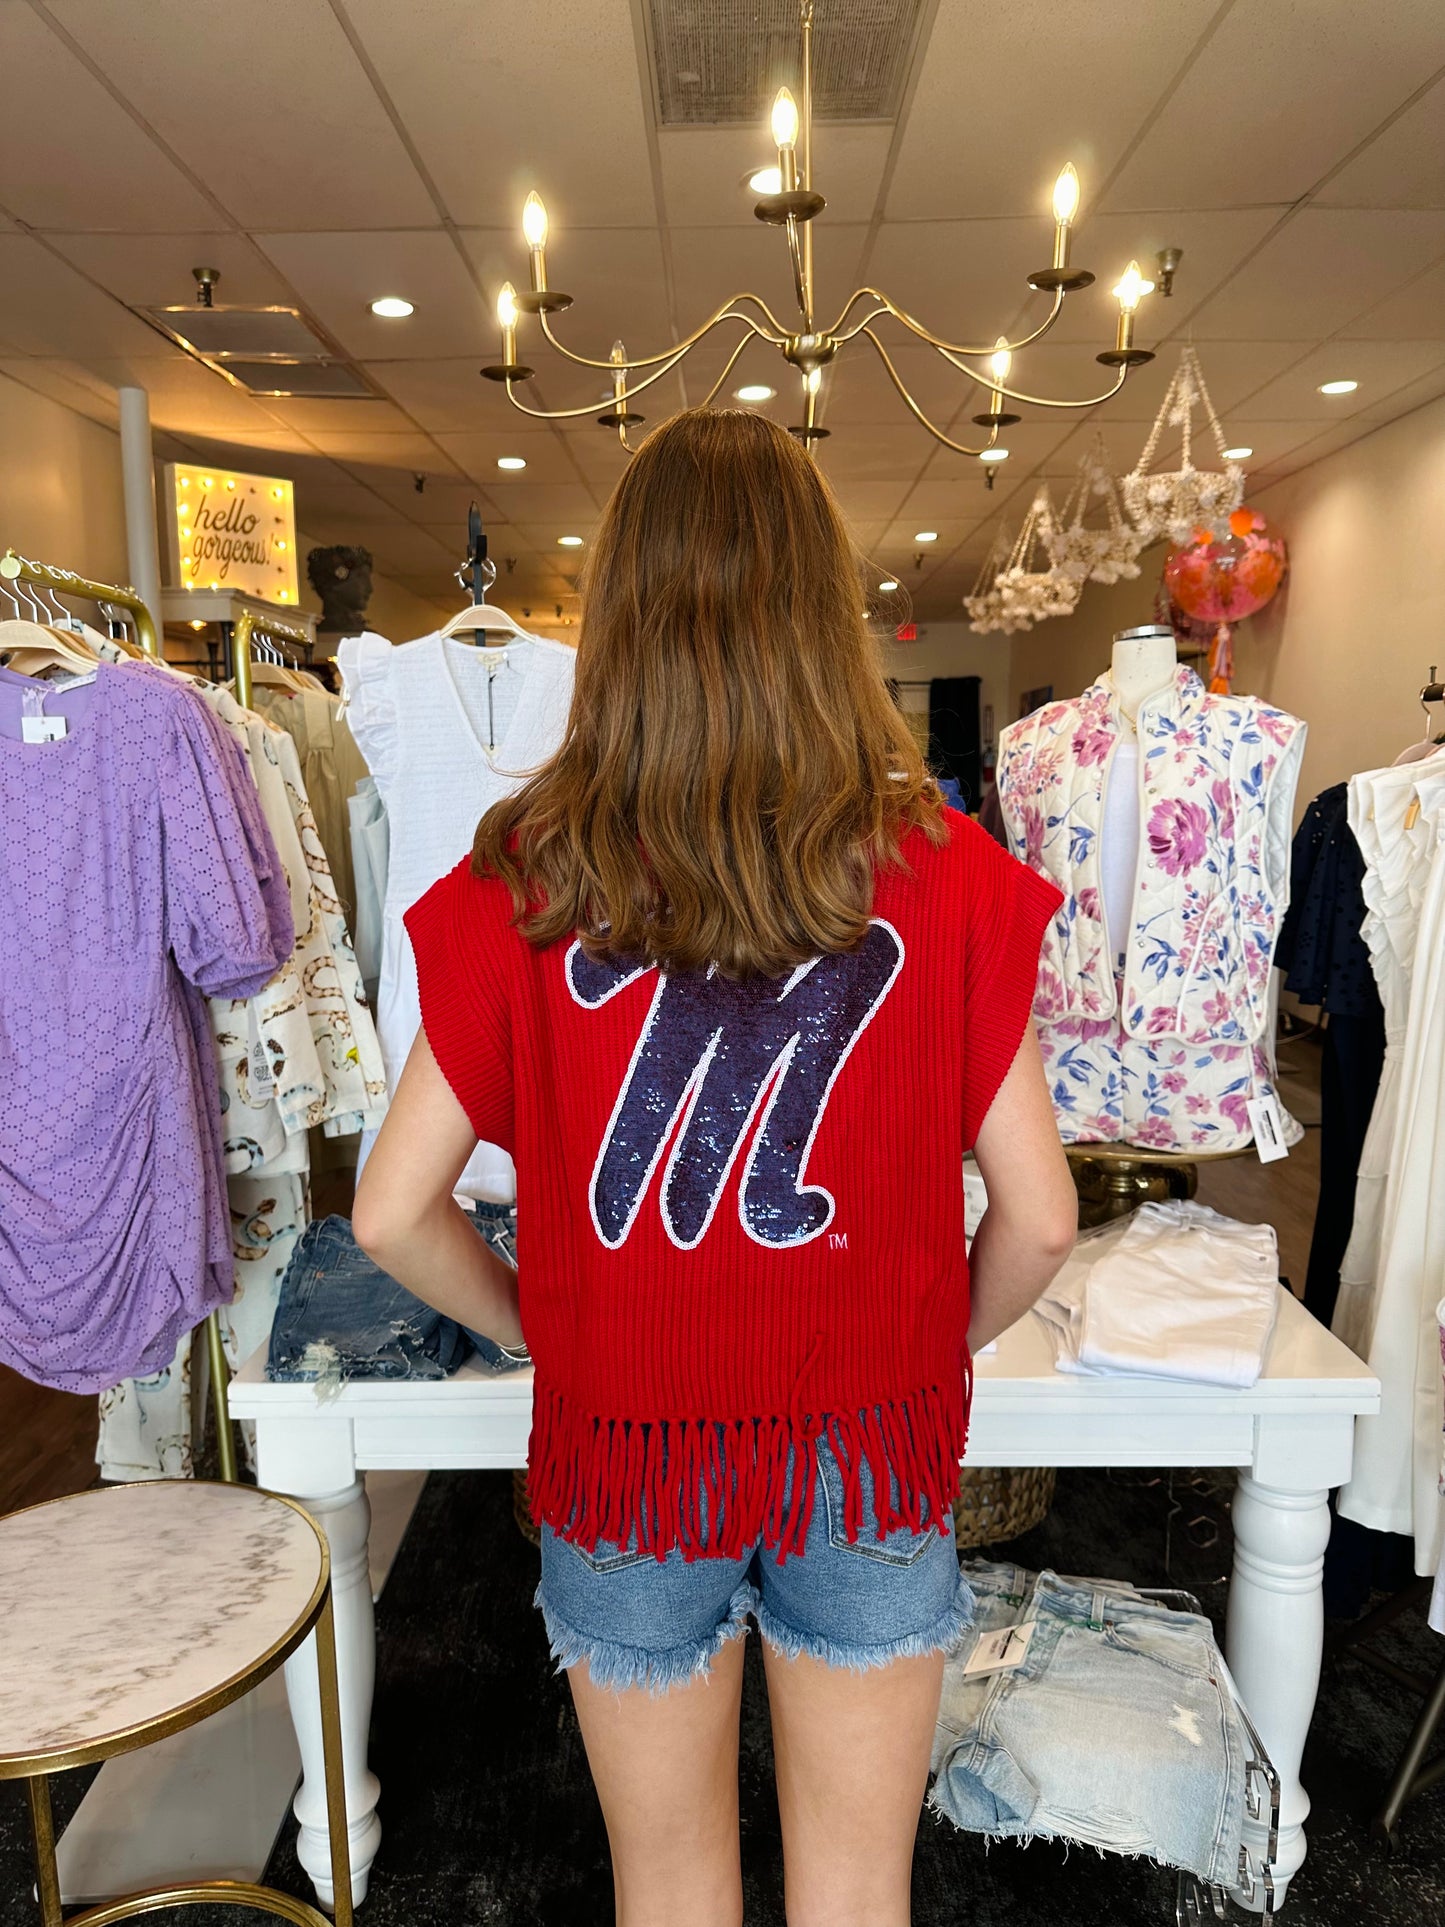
<point>1350,638</point>
<point>60,486</point>
<point>952,649</point>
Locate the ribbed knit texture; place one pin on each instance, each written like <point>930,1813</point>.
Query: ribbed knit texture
<point>724,1261</point>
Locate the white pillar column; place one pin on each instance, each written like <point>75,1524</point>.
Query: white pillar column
<point>137,461</point>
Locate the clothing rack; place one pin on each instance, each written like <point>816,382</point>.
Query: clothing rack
<point>17,568</point>
<point>248,625</point>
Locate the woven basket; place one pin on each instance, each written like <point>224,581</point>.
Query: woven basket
<point>998,1502</point>
<point>522,1509</point>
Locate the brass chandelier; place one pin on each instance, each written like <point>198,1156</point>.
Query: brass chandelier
<point>793,206</point>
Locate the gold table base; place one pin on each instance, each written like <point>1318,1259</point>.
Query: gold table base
<point>1114,1179</point>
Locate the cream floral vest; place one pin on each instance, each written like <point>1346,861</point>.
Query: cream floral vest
<point>1169,1054</point>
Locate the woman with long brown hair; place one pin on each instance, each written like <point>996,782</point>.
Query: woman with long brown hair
<point>737,993</point>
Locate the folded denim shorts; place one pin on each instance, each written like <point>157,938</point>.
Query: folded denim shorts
<point>642,1621</point>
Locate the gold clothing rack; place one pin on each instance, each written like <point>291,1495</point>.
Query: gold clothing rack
<point>17,568</point>
<point>248,625</point>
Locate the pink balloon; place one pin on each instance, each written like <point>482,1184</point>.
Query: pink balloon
<point>1224,580</point>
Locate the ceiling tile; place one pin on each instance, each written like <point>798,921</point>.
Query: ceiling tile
<point>569,507</point>
<point>154,270</point>
<point>1404,166</point>
<point>61,381</point>
<point>396,544</point>
<point>545,96</point>
<point>338,276</point>
<point>191,399</point>
<point>112,176</point>
<point>407,452</point>
<point>267,103</point>
<point>1008,90</point>
<point>448,394</point>
<point>360,415</point>
<point>1343,72</point>
<point>614,275</point>
<point>1413,310</point>
<point>1380,367</point>
<point>46,308</point>
<point>704,169</point>
<point>475,454</point>
<point>1322,269</point>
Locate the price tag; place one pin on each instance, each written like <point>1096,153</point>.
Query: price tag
<point>42,729</point>
<point>263,1078</point>
<point>1002,1651</point>
<point>1267,1123</point>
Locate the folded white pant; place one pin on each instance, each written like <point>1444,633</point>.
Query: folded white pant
<point>1175,1291</point>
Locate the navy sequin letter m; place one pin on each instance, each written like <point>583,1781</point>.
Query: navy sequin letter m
<point>713,1054</point>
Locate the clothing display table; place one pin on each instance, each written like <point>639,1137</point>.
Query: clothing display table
<point>1291,1435</point>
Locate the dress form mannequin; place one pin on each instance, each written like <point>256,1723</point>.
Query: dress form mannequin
<point>1143,665</point>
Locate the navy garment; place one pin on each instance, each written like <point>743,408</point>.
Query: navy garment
<point>1326,962</point>
<point>342,1317</point>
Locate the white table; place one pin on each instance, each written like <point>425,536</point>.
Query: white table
<point>1291,1435</point>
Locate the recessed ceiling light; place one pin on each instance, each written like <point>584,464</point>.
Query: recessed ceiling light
<point>511,461</point>
<point>1237,454</point>
<point>1338,387</point>
<point>994,455</point>
<point>926,535</point>
<point>888,587</point>
<point>391,307</point>
<point>569,541</point>
<point>767,180</point>
<point>756,391</point>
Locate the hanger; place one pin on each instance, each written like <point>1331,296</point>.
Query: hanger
<point>478,573</point>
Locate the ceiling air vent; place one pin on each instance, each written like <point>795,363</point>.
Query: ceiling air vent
<point>718,63</point>
<point>273,352</point>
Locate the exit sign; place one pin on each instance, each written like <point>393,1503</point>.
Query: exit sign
<point>907,633</point>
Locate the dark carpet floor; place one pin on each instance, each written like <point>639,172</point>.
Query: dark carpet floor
<point>490,1819</point>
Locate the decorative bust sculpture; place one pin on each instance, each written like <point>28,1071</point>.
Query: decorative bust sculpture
<point>341,576</point>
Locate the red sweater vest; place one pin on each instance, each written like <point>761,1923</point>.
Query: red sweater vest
<point>739,1205</point>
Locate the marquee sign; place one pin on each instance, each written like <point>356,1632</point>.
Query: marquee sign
<point>232,531</point>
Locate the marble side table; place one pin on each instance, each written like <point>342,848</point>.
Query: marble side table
<point>133,1612</point>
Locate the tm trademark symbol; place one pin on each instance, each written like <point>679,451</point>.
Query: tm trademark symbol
<point>838,1240</point>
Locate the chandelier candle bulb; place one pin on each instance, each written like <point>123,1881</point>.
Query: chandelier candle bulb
<point>507,316</point>
<point>1066,206</point>
<point>785,138</point>
<point>999,362</point>
<point>1130,291</point>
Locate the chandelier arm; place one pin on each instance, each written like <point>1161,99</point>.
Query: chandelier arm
<point>590,408</point>
<point>727,312</point>
<point>1034,401</point>
<point>917,413</point>
<point>728,366</point>
<point>841,334</point>
<point>915,326</point>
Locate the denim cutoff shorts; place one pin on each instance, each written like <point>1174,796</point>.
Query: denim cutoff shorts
<point>643,1621</point>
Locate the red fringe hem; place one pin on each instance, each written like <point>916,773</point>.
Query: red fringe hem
<point>592,1478</point>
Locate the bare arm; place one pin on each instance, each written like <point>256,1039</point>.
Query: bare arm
<point>1033,1210</point>
<point>407,1220</point>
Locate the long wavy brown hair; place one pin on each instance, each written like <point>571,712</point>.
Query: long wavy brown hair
<point>734,768</point>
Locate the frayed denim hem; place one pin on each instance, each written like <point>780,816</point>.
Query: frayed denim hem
<point>945,1635</point>
<point>620,1669</point>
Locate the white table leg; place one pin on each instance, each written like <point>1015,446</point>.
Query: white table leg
<point>1275,1637</point>
<point>345,1517</point>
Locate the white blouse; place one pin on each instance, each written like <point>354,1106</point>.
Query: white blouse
<point>448,728</point>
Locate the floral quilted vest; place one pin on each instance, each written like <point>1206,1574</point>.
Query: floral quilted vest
<point>1169,1054</point>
